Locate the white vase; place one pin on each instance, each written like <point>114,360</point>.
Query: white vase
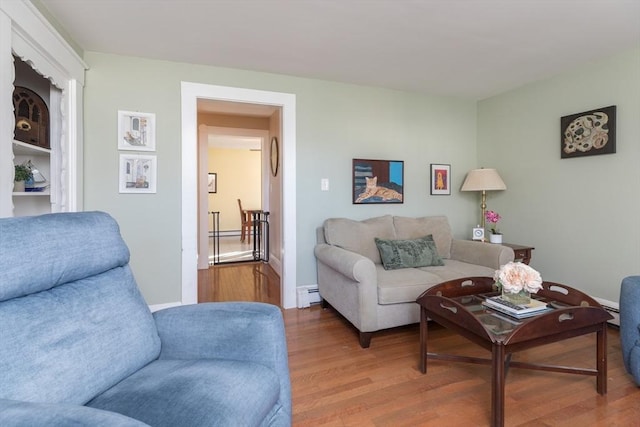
<point>495,238</point>
<point>18,186</point>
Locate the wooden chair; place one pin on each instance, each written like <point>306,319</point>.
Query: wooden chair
<point>245,223</point>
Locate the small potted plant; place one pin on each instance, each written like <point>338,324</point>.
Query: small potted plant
<point>493,217</point>
<point>22,174</point>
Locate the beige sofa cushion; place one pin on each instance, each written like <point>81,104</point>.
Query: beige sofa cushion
<point>438,226</point>
<point>358,236</point>
<point>404,285</point>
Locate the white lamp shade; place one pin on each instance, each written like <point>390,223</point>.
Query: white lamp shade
<point>483,180</point>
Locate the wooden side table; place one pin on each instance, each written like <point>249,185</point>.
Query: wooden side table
<point>522,253</point>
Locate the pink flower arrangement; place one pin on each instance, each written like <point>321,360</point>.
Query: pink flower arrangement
<point>514,277</point>
<point>493,217</point>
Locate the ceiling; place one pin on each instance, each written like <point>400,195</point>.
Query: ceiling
<point>463,48</point>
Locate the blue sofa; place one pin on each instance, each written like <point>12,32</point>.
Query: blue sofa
<point>79,346</point>
<point>630,325</point>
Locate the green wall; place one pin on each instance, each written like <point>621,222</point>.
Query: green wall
<point>335,123</point>
<point>581,214</point>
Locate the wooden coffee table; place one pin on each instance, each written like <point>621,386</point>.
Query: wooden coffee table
<point>457,305</point>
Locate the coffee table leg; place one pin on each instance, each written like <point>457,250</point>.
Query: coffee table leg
<point>601,363</point>
<point>423,340</point>
<point>497,385</point>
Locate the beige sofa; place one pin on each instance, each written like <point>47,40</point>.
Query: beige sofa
<point>352,279</point>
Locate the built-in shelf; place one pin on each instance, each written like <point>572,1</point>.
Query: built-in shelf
<point>33,55</point>
<point>24,149</point>
<point>31,193</point>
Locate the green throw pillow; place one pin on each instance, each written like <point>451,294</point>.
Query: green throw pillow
<point>397,254</point>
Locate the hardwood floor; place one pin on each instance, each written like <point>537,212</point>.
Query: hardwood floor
<point>337,383</point>
<point>253,281</point>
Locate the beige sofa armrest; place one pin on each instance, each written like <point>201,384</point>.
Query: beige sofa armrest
<point>480,253</point>
<point>349,282</point>
<point>350,264</point>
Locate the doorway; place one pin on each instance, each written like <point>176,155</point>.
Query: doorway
<point>234,158</point>
<point>286,256</point>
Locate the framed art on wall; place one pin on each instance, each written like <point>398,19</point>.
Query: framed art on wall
<point>378,181</point>
<point>588,133</point>
<point>440,179</point>
<point>136,131</point>
<point>212,182</point>
<point>138,173</point>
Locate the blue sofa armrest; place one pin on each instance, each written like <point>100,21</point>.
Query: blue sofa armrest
<point>244,331</point>
<point>15,413</point>
<point>630,325</point>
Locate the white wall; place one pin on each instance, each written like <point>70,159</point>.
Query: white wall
<point>335,123</point>
<point>581,214</point>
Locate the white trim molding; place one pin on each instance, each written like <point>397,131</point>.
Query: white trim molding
<point>191,92</point>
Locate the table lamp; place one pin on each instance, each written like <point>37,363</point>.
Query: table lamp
<point>483,180</point>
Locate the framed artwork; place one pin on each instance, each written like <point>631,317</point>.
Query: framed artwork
<point>212,182</point>
<point>138,173</point>
<point>588,133</point>
<point>136,131</point>
<point>378,181</point>
<point>440,179</point>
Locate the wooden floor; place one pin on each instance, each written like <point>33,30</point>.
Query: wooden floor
<point>337,383</point>
<point>254,281</point>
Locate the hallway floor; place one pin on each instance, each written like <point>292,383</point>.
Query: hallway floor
<point>249,281</point>
<point>231,249</point>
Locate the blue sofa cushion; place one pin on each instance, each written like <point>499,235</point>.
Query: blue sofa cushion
<point>630,325</point>
<point>91,244</point>
<point>195,393</point>
<point>71,342</point>
<point>22,414</point>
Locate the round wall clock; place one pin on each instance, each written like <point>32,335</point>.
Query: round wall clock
<point>275,156</point>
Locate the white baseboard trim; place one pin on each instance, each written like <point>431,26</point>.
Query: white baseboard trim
<point>156,307</point>
<point>276,264</point>
<point>229,233</point>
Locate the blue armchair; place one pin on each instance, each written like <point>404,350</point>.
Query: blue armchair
<point>630,325</point>
<point>79,346</point>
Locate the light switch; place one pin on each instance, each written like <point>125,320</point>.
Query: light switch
<point>324,184</point>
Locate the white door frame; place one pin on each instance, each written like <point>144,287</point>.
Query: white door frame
<point>190,94</point>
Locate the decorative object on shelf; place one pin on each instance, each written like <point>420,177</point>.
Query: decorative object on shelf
<point>31,116</point>
<point>136,131</point>
<point>440,180</point>
<point>588,133</point>
<point>483,180</point>
<point>212,182</point>
<point>378,181</point>
<point>275,156</point>
<point>37,182</point>
<point>478,233</point>
<point>137,173</point>
<point>517,281</point>
<point>21,175</point>
<point>493,217</point>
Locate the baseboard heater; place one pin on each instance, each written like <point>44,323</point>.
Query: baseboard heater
<point>615,312</point>
<point>308,295</point>
<point>613,309</point>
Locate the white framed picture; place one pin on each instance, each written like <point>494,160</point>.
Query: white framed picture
<point>136,131</point>
<point>138,173</point>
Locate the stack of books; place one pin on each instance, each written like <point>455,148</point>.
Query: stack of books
<point>522,311</point>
